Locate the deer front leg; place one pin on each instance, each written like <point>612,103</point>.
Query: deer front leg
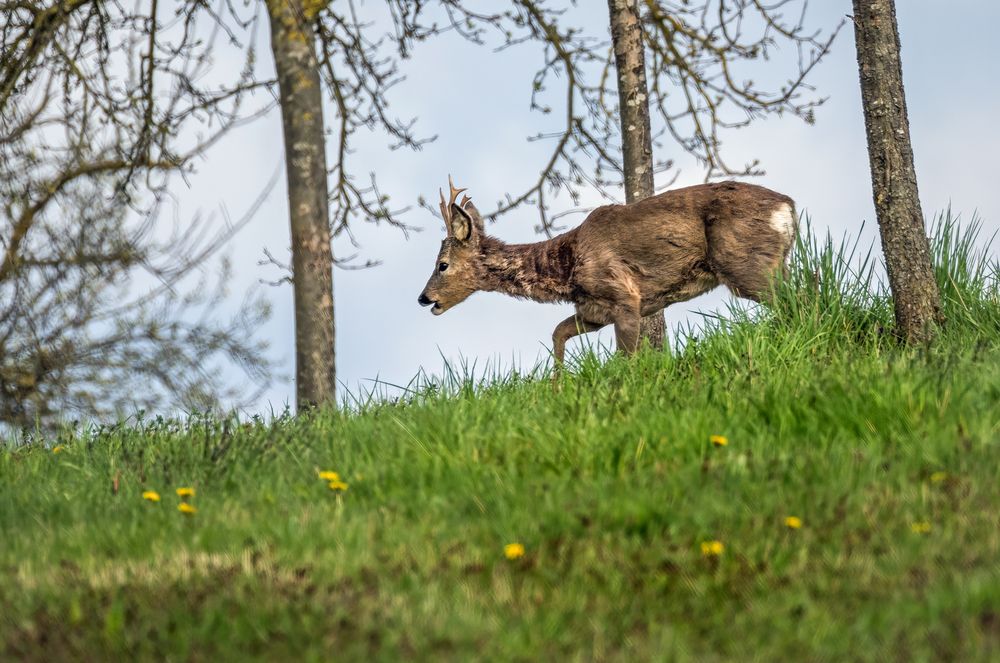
<point>572,326</point>
<point>627,317</point>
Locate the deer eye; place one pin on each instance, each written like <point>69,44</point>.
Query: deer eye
<point>443,266</point>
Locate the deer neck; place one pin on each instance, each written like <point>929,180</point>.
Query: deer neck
<point>542,271</point>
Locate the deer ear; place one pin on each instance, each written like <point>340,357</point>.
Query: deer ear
<point>477,218</point>
<point>461,223</point>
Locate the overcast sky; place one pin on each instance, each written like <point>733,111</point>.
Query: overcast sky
<point>476,102</point>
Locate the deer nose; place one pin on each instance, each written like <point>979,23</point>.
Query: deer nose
<point>423,300</point>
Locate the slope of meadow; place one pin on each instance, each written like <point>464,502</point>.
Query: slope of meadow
<point>853,512</point>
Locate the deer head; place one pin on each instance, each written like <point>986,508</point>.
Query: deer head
<point>455,275</point>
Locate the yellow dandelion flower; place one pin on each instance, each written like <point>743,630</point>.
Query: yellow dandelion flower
<point>938,477</point>
<point>921,527</point>
<point>185,492</point>
<point>793,522</point>
<point>151,495</point>
<point>186,508</point>
<point>513,550</point>
<point>58,449</point>
<point>718,440</point>
<point>338,485</point>
<point>329,476</point>
<point>712,548</point>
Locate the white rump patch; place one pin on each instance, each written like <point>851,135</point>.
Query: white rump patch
<point>783,221</point>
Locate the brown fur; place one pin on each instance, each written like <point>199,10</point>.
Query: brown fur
<point>624,261</point>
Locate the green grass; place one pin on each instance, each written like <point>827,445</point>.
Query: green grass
<point>610,483</point>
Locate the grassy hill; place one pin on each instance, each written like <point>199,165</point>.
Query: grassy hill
<point>852,513</point>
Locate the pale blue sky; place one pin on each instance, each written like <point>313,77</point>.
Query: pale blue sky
<point>476,101</point>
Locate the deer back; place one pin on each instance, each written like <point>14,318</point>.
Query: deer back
<point>680,243</point>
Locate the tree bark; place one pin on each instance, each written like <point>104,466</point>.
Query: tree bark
<point>894,179</point>
<point>300,96</point>
<point>637,144</point>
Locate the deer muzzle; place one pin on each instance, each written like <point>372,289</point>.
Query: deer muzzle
<point>424,300</point>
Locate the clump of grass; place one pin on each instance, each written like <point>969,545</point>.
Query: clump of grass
<point>968,278</point>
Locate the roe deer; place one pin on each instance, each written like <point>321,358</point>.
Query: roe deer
<point>624,261</point>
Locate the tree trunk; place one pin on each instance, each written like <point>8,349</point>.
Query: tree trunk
<point>637,144</point>
<point>894,180</point>
<point>300,96</point>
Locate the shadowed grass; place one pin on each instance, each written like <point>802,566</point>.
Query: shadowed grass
<point>889,456</point>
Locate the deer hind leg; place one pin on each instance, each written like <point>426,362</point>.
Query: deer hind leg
<point>748,261</point>
<point>755,285</point>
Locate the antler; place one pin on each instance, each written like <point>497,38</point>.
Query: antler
<point>446,208</point>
